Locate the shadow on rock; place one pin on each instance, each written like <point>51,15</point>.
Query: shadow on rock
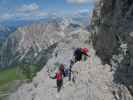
<point>124,73</point>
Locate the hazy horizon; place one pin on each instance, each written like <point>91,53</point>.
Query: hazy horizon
<point>38,9</point>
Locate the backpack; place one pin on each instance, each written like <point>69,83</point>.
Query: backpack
<point>59,75</point>
<point>66,72</point>
<point>78,51</point>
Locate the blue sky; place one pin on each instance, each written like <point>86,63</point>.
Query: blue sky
<point>35,9</point>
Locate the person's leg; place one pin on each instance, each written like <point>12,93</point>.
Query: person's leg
<point>74,77</point>
<point>61,83</point>
<point>69,74</point>
<point>58,85</point>
<point>63,73</point>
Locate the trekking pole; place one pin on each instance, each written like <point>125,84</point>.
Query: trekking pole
<point>90,60</point>
<point>48,73</point>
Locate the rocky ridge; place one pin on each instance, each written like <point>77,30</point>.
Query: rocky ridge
<point>94,81</point>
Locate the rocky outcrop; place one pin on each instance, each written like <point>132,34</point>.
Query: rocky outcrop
<point>112,27</point>
<point>94,80</point>
<point>112,23</point>
<point>44,88</point>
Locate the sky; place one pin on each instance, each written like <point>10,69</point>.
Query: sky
<point>36,9</point>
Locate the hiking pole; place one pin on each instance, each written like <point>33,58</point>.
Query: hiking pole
<point>48,73</point>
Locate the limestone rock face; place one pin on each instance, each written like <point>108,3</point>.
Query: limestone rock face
<point>112,24</point>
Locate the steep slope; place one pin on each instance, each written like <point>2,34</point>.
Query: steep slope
<point>63,54</point>
<point>94,80</point>
<point>5,31</point>
<point>112,24</point>
<point>112,38</point>
<point>88,86</point>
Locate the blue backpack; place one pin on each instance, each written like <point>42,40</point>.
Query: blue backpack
<point>66,72</point>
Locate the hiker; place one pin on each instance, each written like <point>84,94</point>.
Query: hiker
<point>58,75</point>
<point>59,79</point>
<point>70,69</point>
<point>79,52</point>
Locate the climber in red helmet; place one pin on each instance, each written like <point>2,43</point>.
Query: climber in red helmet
<point>85,51</point>
<point>79,52</point>
<point>77,57</point>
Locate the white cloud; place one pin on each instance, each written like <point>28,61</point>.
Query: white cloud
<point>29,13</point>
<point>77,1</point>
<point>32,15</point>
<point>81,1</point>
<point>6,16</point>
<point>28,8</point>
<point>84,11</point>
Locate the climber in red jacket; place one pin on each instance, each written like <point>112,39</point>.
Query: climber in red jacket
<point>58,76</point>
<point>59,79</point>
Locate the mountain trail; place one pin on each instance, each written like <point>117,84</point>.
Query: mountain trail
<point>93,82</point>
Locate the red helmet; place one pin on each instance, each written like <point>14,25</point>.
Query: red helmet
<point>85,50</point>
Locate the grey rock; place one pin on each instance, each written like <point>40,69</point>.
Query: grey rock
<point>112,36</point>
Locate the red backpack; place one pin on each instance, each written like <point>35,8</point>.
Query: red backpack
<point>59,75</point>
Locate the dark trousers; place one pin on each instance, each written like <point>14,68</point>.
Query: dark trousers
<point>69,74</point>
<point>59,85</point>
<point>70,69</point>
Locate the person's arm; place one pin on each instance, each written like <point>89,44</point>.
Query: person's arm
<point>86,54</point>
<point>52,76</point>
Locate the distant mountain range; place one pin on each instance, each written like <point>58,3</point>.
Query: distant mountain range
<point>9,26</point>
<point>31,40</point>
<point>80,17</point>
<point>5,31</point>
<point>26,40</point>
